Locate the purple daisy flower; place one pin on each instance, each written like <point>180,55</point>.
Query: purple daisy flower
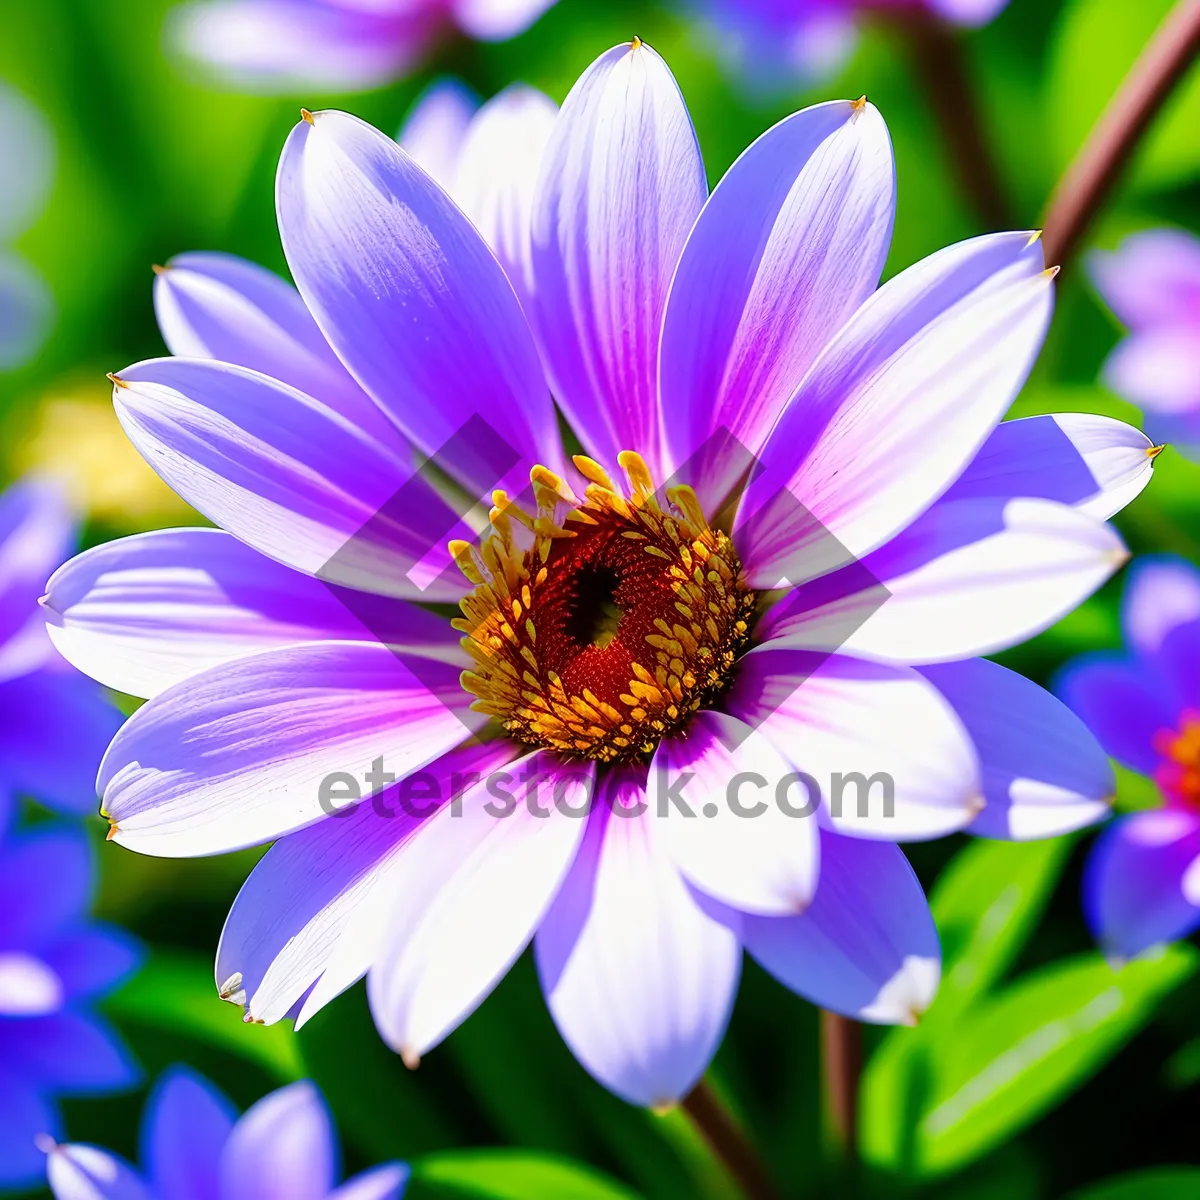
<point>845,520</point>
<point>772,42</point>
<point>1142,884</point>
<point>196,1147</point>
<point>54,963</point>
<point>56,721</point>
<point>1152,283</point>
<point>343,45</point>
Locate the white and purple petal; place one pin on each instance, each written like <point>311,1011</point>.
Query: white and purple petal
<point>290,476</point>
<point>895,408</point>
<point>887,752</point>
<point>969,577</point>
<point>497,177</point>
<point>790,243</point>
<point>413,302</point>
<point>307,921</point>
<point>245,751</point>
<point>435,128</point>
<point>219,306</point>
<point>81,1172</point>
<point>639,977</point>
<point>622,182</point>
<point>1044,773</point>
<point>714,789</point>
<point>145,612</point>
<point>473,888</point>
<point>867,946</point>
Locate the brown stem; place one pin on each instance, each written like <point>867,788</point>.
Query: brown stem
<point>1098,165</point>
<point>943,74</point>
<point>727,1141</point>
<point>841,1066</point>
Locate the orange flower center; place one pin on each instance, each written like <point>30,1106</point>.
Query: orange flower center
<point>609,621</point>
<point>1178,775</point>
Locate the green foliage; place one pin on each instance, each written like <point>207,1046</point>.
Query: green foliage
<point>1093,48</point>
<point>510,1175</point>
<point>176,992</point>
<point>1159,1183</point>
<point>988,1058</point>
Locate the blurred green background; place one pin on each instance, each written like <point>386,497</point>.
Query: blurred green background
<point>1038,1072</point>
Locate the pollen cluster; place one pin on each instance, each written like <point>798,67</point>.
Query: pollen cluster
<point>1178,772</point>
<point>599,625</point>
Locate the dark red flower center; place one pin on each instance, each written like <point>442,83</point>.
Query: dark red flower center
<point>621,619</point>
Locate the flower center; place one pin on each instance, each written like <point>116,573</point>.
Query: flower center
<point>1178,774</point>
<point>609,621</point>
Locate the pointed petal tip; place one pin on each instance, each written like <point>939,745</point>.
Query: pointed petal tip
<point>115,379</point>
<point>159,269</point>
<point>636,43</point>
<point>1035,236</point>
<point>113,830</point>
<point>857,107</point>
<point>306,115</point>
<point>1152,452</point>
<point>409,1057</point>
<point>664,1108</point>
<point>45,1143</point>
<point>1051,272</point>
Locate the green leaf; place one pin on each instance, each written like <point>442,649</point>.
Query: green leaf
<point>986,903</point>
<point>1094,46</point>
<point>1014,1056</point>
<point>512,1175</point>
<point>176,992</point>
<point>1158,1183</point>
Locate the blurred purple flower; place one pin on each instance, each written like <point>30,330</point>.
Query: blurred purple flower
<point>685,337</point>
<point>195,1147</point>
<point>339,45</point>
<point>26,171</point>
<point>777,43</point>
<point>1142,884</point>
<point>54,964</point>
<point>56,722</point>
<point>1152,283</point>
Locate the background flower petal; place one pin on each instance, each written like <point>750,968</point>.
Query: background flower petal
<point>1139,887</point>
<point>283,1148</point>
<point>185,1128</point>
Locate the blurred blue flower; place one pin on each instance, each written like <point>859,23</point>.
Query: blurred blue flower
<point>54,964</point>
<point>195,1147</point>
<point>339,45</point>
<point>26,171</point>
<point>1142,883</point>
<point>774,44</point>
<point>55,721</point>
<point>1152,283</point>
